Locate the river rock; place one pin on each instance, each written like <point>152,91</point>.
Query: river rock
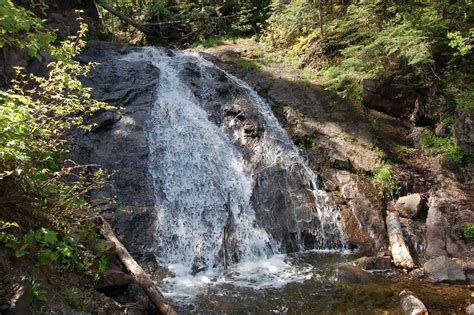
<point>411,304</point>
<point>374,263</point>
<point>409,206</point>
<point>352,274</point>
<point>443,269</point>
<point>470,309</point>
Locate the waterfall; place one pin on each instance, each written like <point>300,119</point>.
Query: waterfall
<point>203,179</point>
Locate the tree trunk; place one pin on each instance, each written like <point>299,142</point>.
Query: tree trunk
<point>400,253</point>
<point>321,18</point>
<point>137,272</point>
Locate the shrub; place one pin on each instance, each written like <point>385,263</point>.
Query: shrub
<point>468,231</point>
<point>437,145</point>
<point>383,178</point>
<point>72,297</point>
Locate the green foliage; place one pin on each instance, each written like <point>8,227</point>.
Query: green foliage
<point>36,113</point>
<point>85,255</point>
<point>468,231</point>
<point>437,145</point>
<point>21,28</point>
<point>38,294</point>
<point>369,39</point>
<point>458,42</point>
<point>200,19</point>
<point>383,178</point>
<point>215,40</point>
<point>73,298</point>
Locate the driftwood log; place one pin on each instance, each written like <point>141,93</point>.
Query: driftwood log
<point>137,272</point>
<point>400,253</point>
<point>412,305</point>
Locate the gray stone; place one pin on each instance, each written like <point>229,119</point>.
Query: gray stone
<point>470,309</point>
<point>464,130</point>
<point>352,274</point>
<point>409,206</point>
<point>443,269</point>
<point>411,304</point>
<point>374,263</point>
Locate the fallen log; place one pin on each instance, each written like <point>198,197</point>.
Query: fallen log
<point>400,253</point>
<point>137,272</point>
<point>123,17</point>
<point>411,305</point>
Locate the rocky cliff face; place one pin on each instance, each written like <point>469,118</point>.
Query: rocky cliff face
<point>346,142</point>
<point>337,137</point>
<point>285,194</point>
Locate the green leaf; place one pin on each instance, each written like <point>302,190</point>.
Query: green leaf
<point>49,237</point>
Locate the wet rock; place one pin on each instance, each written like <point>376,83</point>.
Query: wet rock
<point>364,224</point>
<point>443,269</point>
<point>411,305</point>
<point>409,206</point>
<point>374,263</point>
<point>352,274</point>
<point>199,264</point>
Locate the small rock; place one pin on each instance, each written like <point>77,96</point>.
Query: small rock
<point>443,269</point>
<point>20,303</point>
<point>470,309</point>
<point>352,274</point>
<point>412,305</point>
<point>374,263</point>
<point>409,206</point>
<point>199,264</point>
<point>442,130</point>
<point>417,273</point>
<point>114,276</point>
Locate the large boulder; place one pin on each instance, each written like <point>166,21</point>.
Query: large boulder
<point>443,269</point>
<point>409,206</point>
<point>352,274</point>
<point>375,263</point>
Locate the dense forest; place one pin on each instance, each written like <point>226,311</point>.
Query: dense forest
<point>410,60</point>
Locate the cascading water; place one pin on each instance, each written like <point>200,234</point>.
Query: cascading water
<point>204,182</point>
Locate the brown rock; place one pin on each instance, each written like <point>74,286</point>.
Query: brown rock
<point>443,269</point>
<point>409,206</point>
<point>374,263</point>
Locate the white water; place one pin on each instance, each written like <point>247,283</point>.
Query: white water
<point>195,166</point>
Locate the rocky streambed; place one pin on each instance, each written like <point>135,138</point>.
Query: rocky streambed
<point>297,209</point>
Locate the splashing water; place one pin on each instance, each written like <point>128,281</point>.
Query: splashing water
<point>195,166</point>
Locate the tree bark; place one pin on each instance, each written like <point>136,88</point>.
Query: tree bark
<point>400,253</point>
<point>137,272</point>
